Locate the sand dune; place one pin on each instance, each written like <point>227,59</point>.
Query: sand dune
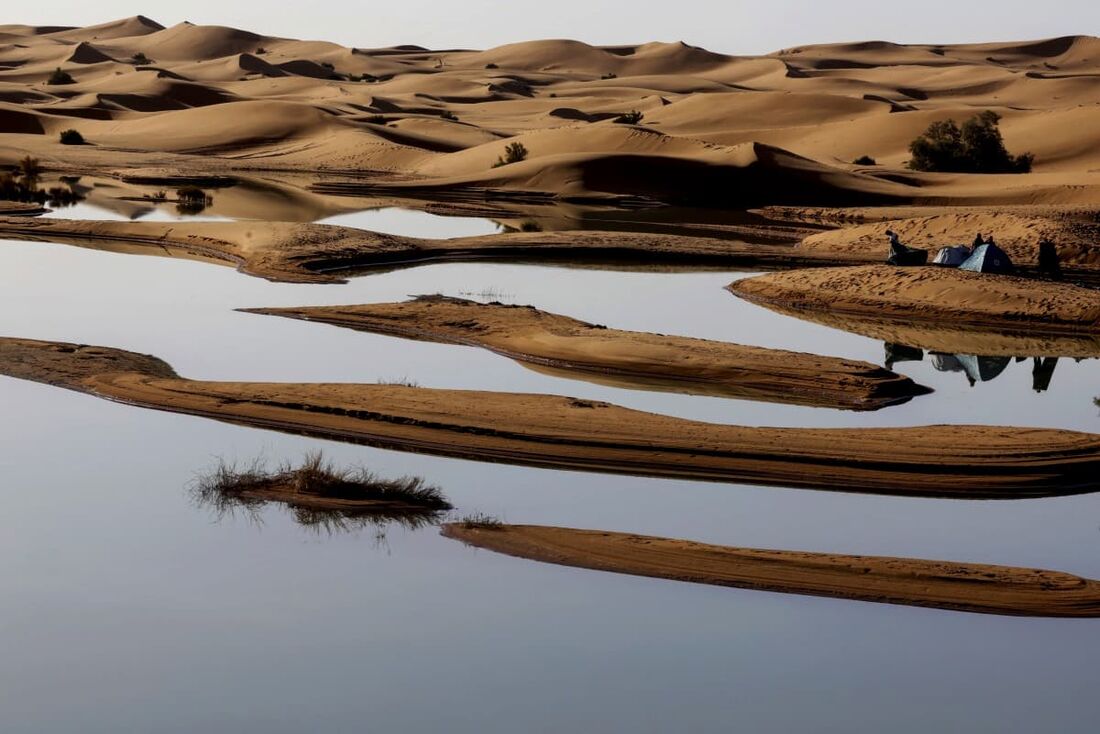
<point>979,462</point>
<point>634,359</point>
<point>964,587</point>
<point>731,131</point>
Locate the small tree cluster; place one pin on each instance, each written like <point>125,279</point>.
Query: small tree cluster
<point>514,153</point>
<point>71,137</point>
<point>976,147</point>
<point>60,77</point>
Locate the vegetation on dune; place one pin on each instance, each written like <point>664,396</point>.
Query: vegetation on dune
<point>514,153</point>
<point>976,147</point>
<point>140,59</point>
<point>320,495</point>
<point>71,137</point>
<point>630,118</point>
<point>60,77</point>
<point>865,160</point>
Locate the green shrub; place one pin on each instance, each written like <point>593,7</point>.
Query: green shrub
<point>514,153</point>
<point>865,160</point>
<point>60,77</point>
<point>71,137</point>
<point>976,147</point>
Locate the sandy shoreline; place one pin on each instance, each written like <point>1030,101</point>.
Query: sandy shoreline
<point>939,296</point>
<point>976,462</point>
<point>646,361</point>
<point>966,587</point>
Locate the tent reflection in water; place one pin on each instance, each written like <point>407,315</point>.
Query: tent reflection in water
<point>976,369</point>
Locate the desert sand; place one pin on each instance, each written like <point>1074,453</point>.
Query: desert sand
<point>633,359</point>
<point>736,131</point>
<point>941,296</point>
<point>967,587</point>
<point>567,433</point>
<point>325,253</point>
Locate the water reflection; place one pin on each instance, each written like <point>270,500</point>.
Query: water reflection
<point>974,368</point>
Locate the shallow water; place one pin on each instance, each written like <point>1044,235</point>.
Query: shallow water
<point>128,609</point>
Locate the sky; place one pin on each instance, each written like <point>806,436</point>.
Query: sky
<point>728,26</point>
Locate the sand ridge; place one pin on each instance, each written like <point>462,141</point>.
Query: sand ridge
<point>633,359</point>
<point>977,462</point>
<point>966,587</point>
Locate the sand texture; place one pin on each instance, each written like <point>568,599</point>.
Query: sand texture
<point>714,129</point>
<point>940,296</point>
<point>632,359</point>
<point>967,587</point>
<point>567,433</point>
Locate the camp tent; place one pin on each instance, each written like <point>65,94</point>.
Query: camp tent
<point>988,259</point>
<point>952,257</point>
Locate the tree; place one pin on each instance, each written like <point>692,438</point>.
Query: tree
<point>976,147</point>
<point>514,153</point>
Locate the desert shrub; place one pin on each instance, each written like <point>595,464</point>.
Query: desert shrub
<point>140,58</point>
<point>865,160</point>
<point>448,115</point>
<point>60,77</point>
<point>328,65</point>
<point>261,51</point>
<point>610,75</point>
<point>29,167</point>
<point>491,65</point>
<point>480,521</point>
<point>630,118</point>
<point>192,200</point>
<point>530,227</point>
<point>71,137</point>
<point>976,147</point>
<point>514,153</point>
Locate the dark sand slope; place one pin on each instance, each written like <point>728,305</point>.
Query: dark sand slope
<point>966,587</point>
<point>634,359</point>
<point>323,253</point>
<point>566,433</point>
<point>934,295</point>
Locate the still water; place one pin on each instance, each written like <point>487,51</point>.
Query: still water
<point>127,609</point>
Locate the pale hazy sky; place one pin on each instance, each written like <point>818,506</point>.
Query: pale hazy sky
<point>730,26</point>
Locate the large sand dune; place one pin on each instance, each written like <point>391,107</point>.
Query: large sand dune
<point>717,129</point>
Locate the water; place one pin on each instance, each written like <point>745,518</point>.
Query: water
<point>129,609</point>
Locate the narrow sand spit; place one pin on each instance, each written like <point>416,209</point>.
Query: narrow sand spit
<point>633,359</point>
<point>965,587</point>
<point>324,253</point>
<point>567,433</point>
<point>931,294</point>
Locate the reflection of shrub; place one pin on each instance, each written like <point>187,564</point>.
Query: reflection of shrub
<point>514,153</point>
<point>480,521</point>
<point>192,200</point>
<point>630,118</point>
<point>976,147</point>
<point>865,160</point>
<point>60,77</point>
<point>71,137</point>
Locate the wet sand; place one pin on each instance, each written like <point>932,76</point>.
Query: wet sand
<point>634,359</point>
<point>976,462</point>
<point>965,587</point>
